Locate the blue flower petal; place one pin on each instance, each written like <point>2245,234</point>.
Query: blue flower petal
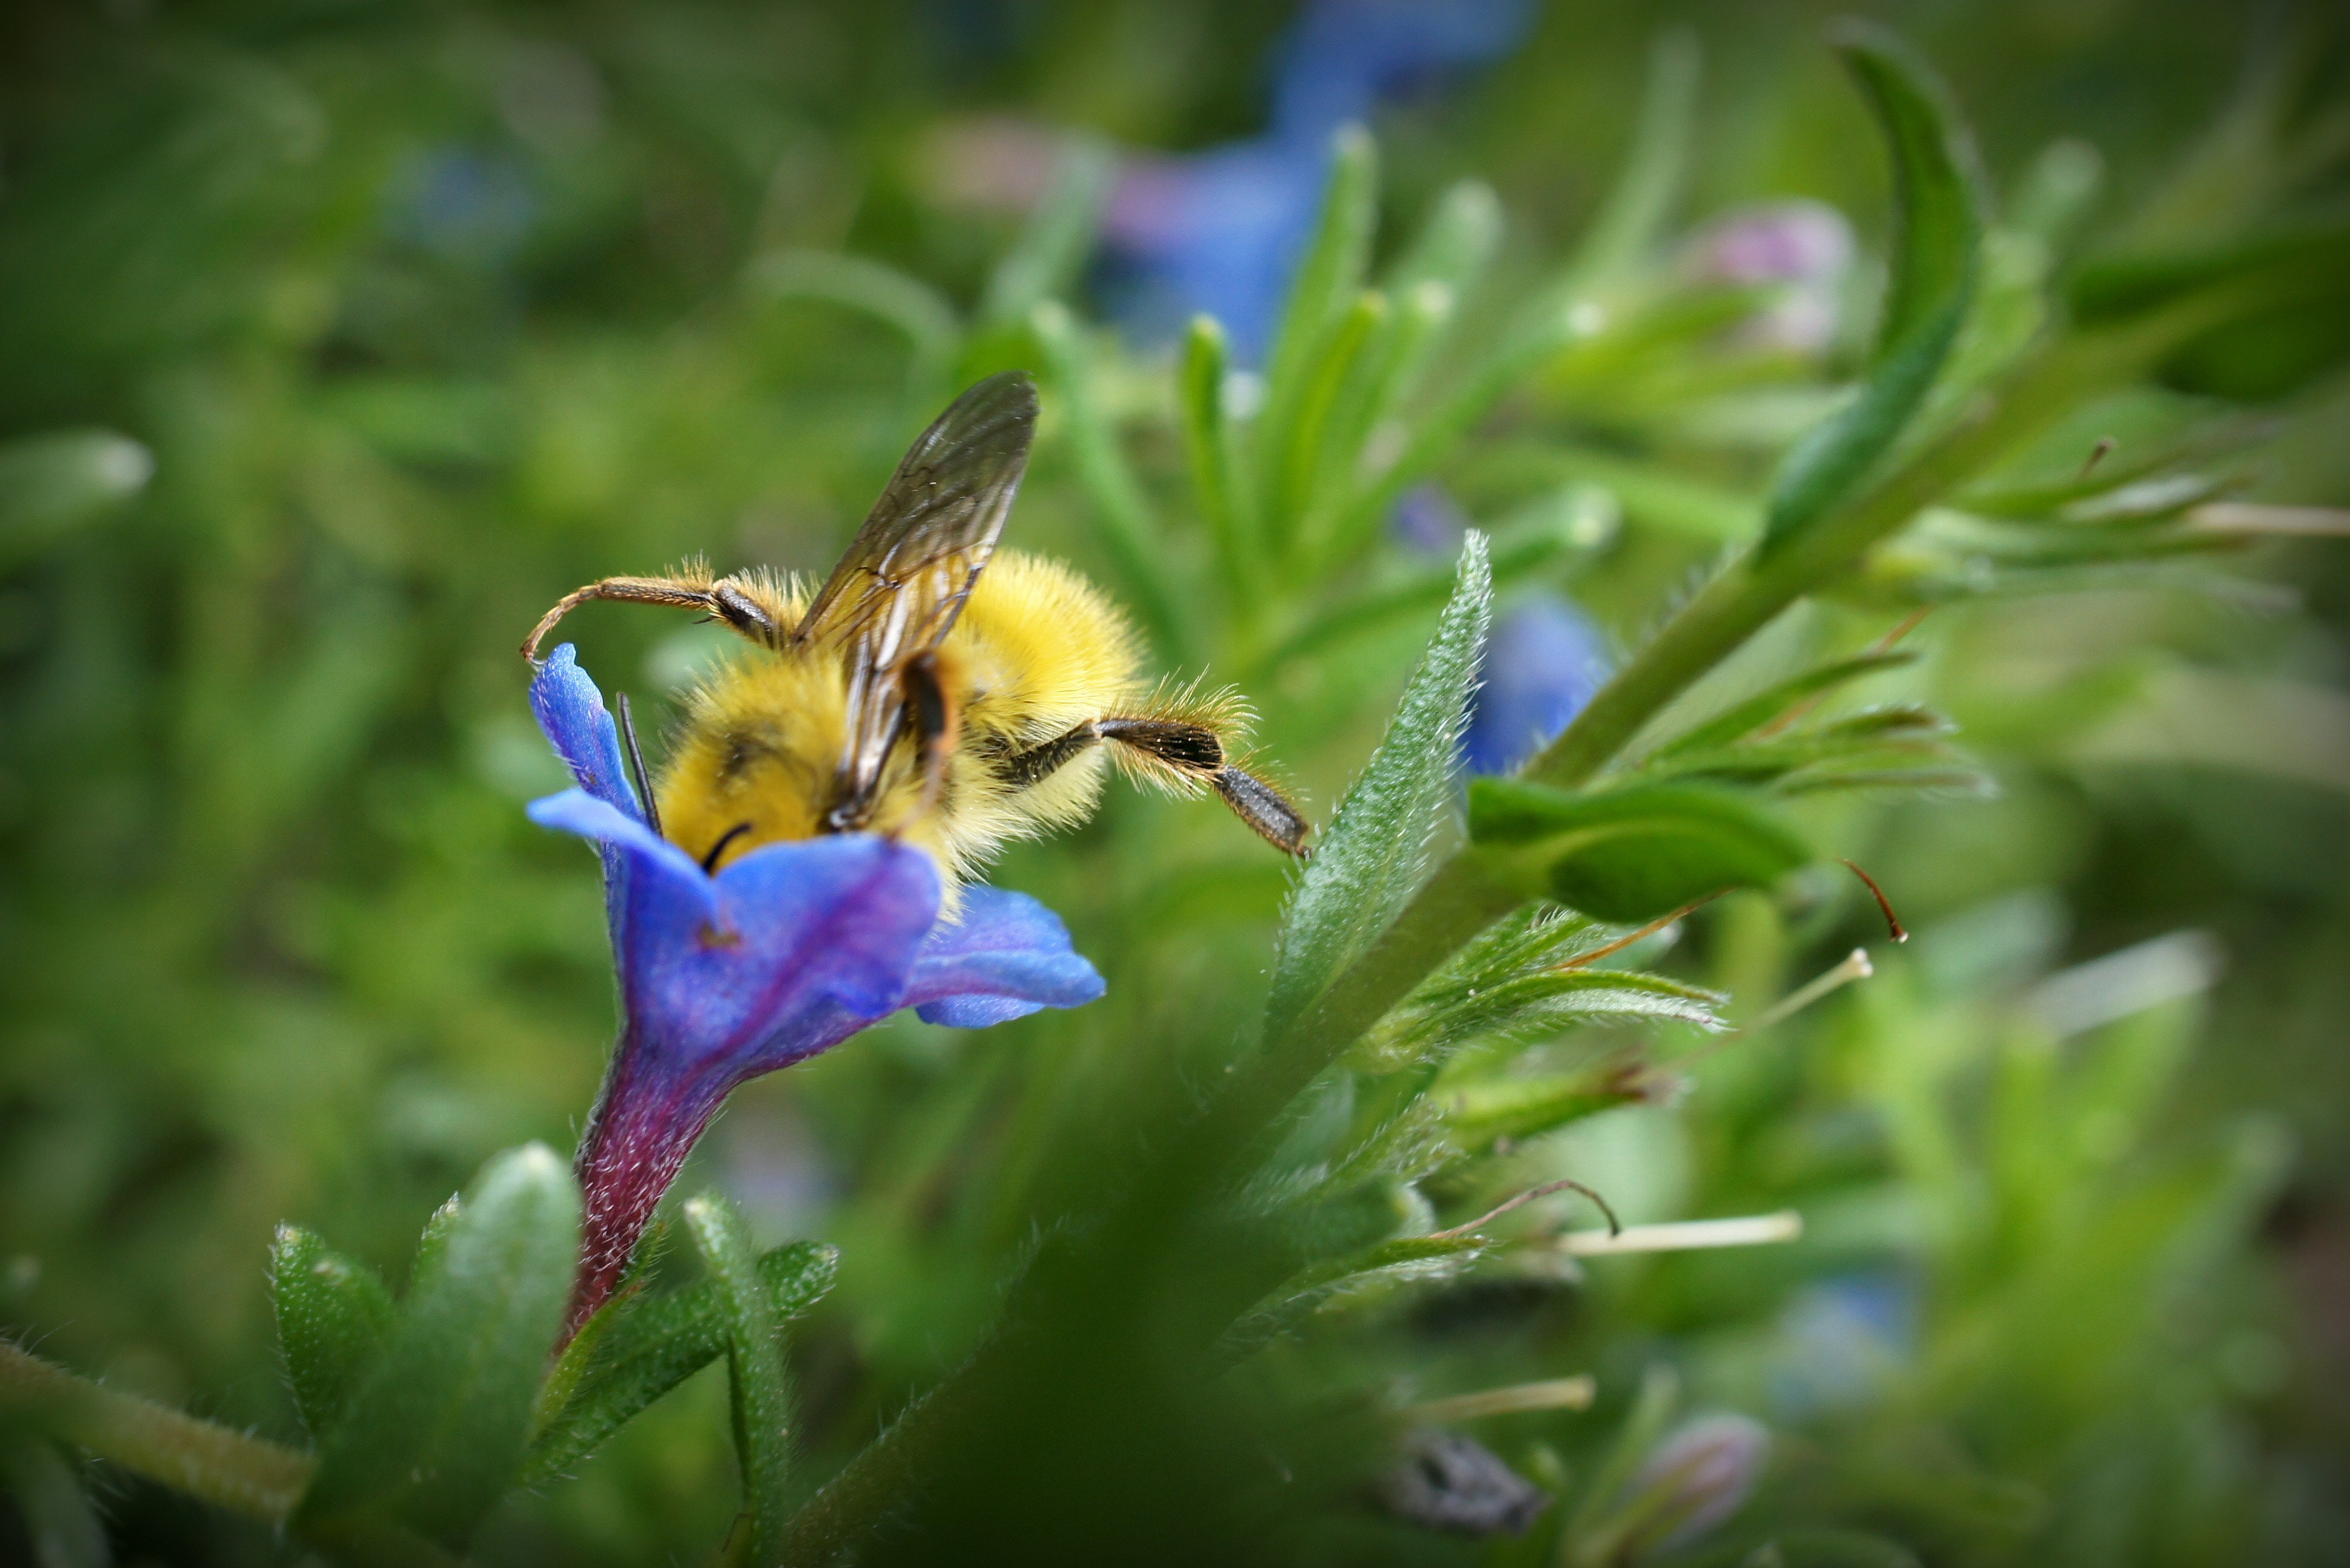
<point>571,710</point>
<point>716,973</point>
<point>1004,956</point>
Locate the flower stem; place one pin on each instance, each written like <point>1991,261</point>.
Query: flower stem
<point>228,1469</point>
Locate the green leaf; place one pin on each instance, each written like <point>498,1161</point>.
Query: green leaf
<point>1058,238</point>
<point>1520,549</point>
<point>898,299</point>
<point>1527,1105</point>
<point>1456,244</point>
<point>434,1437</point>
<point>1208,443</point>
<point>1637,210</point>
<point>761,1393</point>
<point>1371,858</point>
<point>1742,719</point>
<point>1334,265</point>
<point>1338,381</point>
<point>52,483</point>
<point>640,1348</point>
<point>1936,241</point>
<point>333,1318</point>
<point>1631,854</point>
<point>1128,528</point>
<point>1534,1007</point>
<point>1406,1260</point>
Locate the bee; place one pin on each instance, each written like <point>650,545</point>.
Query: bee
<point>921,692</point>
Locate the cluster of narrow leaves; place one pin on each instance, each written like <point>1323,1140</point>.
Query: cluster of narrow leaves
<point>427,1410</point>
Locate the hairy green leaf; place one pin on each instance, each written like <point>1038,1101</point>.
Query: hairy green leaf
<point>1371,858</point>
<point>333,1317</point>
<point>1938,239</point>
<point>649,1345</point>
<point>1744,718</point>
<point>761,1386</point>
<point>1533,1007</point>
<point>434,1437</point>
<point>1634,854</point>
<point>1526,1105</point>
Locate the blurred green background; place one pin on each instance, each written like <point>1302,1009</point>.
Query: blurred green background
<point>337,339</point>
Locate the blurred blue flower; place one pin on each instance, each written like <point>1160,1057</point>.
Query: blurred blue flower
<point>1220,231</point>
<point>1542,660</point>
<point>462,206</point>
<point>789,951</point>
<point>1806,246</point>
<point>1542,663</point>
<point>1842,1342</point>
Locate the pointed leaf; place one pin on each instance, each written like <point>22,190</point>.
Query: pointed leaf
<point>1370,860</point>
<point>645,1347</point>
<point>333,1318</point>
<point>1742,719</point>
<point>1455,245</point>
<point>1937,242</point>
<point>1335,261</point>
<point>755,1362</point>
<point>1631,854</point>
<point>1207,442</point>
<point>434,1438</point>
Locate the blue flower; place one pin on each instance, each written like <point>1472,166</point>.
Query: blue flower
<point>789,951</point>
<point>1221,231</point>
<point>1542,663</point>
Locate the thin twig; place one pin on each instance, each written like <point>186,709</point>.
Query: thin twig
<point>1545,1189</point>
<point>1855,966</point>
<point>1687,1235</point>
<point>1557,1394</point>
<point>1885,905</point>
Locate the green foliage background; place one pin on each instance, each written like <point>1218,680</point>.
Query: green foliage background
<point>279,944</point>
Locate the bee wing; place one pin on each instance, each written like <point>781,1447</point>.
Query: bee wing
<point>896,592</point>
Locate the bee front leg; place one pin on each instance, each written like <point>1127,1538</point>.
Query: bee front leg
<point>726,599</point>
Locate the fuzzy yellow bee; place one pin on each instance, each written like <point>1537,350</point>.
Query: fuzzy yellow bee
<point>920,692</point>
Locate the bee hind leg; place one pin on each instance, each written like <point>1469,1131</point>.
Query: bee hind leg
<point>1178,751</point>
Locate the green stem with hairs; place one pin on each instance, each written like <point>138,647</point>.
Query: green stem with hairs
<point>227,1470</point>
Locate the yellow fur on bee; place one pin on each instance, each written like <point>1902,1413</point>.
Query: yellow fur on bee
<point>1038,652</point>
